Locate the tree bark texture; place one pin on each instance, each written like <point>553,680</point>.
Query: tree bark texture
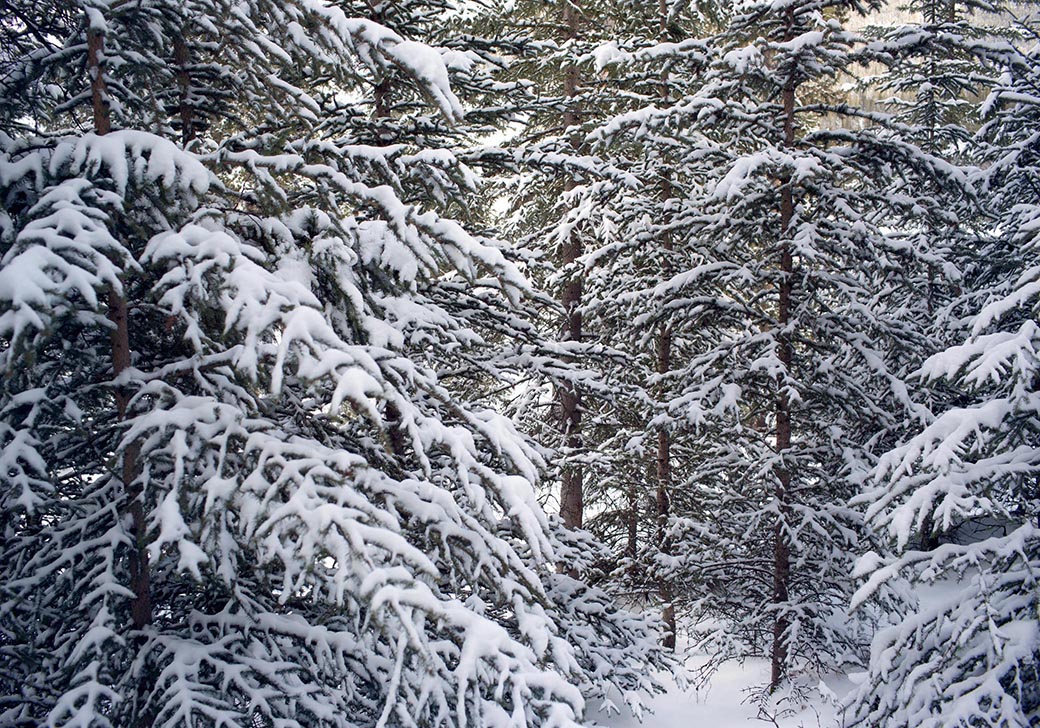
<point>782,474</point>
<point>572,497</point>
<point>664,487</point>
<point>664,364</point>
<point>118,314</point>
<point>182,57</point>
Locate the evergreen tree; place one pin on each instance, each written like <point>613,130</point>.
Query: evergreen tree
<point>238,489</point>
<point>973,658</point>
<point>795,304</point>
<point>555,222</point>
<point>655,63</point>
<point>935,70</point>
<point>567,191</point>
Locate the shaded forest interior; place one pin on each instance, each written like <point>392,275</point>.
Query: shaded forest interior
<point>477,363</point>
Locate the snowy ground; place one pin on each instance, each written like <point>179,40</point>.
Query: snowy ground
<point>726,703</point>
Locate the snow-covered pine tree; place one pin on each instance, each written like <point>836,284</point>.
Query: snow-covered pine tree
<point>553,44</point>
<point>934,69</point>
<point>936,66</point>
<point>654,61</point>
<point>798,304</point>
<point>481,51</point>
<point>563,202</point>
<point>564,28</point>
<point>212,296</point>
<point>970,655</point>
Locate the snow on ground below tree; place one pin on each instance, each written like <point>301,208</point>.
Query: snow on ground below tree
<point>728,700</point>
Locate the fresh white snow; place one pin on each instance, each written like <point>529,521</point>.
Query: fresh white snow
<point>729,700</point>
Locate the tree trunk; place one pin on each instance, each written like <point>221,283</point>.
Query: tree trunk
<point>572,505</point>
<point>782,474</point>
<point>632,523</point>
<point>397,438</point>
<point>381,92</point>
<point>98,95</point>
<point>664,363</point>
<point>118,314</point>
<point>664,486</point>
<point>141,605</point>
<point>182,58</point>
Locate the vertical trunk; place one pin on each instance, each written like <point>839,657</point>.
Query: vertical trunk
<point>118,315</point>
<point>572,482</point>
<point>782,550</point>
<point>396,436</point>
<point>664,363</point>
<point>929,537</point>
<point>141,603</point>
<point>664,486</point>
<point>381,91</point>
<point>182,58</point>
<point>632,546</point>
<point>98,96</point>
<point>381,108</point>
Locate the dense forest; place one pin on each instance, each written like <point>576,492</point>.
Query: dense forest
<point>481,363</point>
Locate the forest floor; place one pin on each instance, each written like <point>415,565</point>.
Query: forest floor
<point>729,701</point>
<point>732,696</point>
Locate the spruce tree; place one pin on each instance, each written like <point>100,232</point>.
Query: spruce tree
<point>653,63</point>
<point>238,488</point>
<point>972,658</point>
<point>553,170</point>
<point>795,301</point>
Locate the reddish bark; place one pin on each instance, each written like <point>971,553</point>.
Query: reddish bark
<point>572,498</point>
<point>664,363</point>
<point>782,549</point>
<point>118,314</point>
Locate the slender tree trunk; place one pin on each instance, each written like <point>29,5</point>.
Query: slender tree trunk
<point>118,314</point>
<point>95,51</point>
<point>381,92</point>
<point>182,57</point>
<point>572,504</point>
<point>782,549</point>
<point>664,486</point>
<point>141,604</point>
<point>632,545</point>
<point>664,363</point>
<point>381,108</point>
